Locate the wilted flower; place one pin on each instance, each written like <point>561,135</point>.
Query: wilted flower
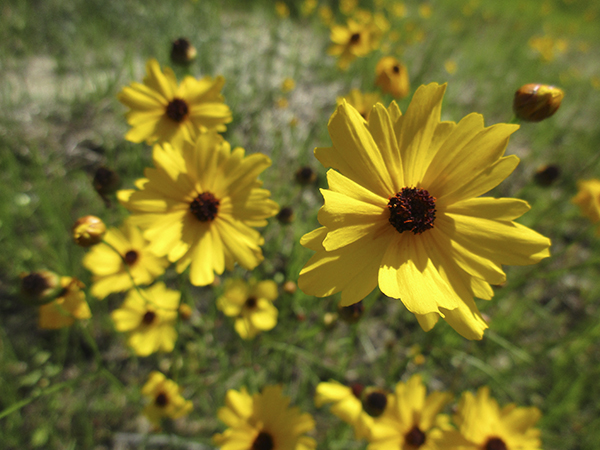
<point>164,399</point>
<point>88,231</point>
<point>68,306</point>
<point>536,102</point>
<point>182,52</point>
<point>392,77</point>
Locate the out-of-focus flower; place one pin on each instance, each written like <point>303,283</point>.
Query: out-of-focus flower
<point>164,399</point>
<point>425,10</point>
<point>162,110</point>
<point>326,15</point>
<point>354,39</point>
<point>185,312</point>
<point>106,181</point>
<point>351,313</point>
<point>200,205</point>
<point>285,215</point>
<point>588,199</point>
<point>392,77</point>
<point>548,47</point>
<point>547,174</point>
<point>40,287</point>
<point>363,102</point>
<point>282,103</point>
<point>182,52</point>
<point>149,316</point>
<point>308,7</point>
<point>289,287</point>
<point>536,102</point>
<point>348,6</point>
<point>288,85</point>
<point>402,212</point>
<point>263,421</point>
<point>251,304</point>
<point>282,10</point>
<point>88,231</point>
<point>410,420</point>
<point>68,306</point>
<point>450,66</point>
<point>483,425</point>
<point>306,175</point>
<point>123,256</point>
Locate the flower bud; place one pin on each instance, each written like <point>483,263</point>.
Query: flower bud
<point>182,52</point>
<point>88,231</point>
<point>40,287</point>
<point>536,102</point>
<point>353,313</point>
<point>392,77</point>
<point>106,181</point>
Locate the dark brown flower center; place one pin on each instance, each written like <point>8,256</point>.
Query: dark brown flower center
<point>415,437</point>
<point>355,38</point>
<point>396,69</point>
<point>149,317</point>
<point>374,403</point>
<point>34,284</point>
<point>161,400</point>
<point>263,441</point>
<point>495,443</point>
<point>205,207</point>
<point>131,257</point>
<point>177,109</point>
<point>251,302</point>
<point>412,209</point>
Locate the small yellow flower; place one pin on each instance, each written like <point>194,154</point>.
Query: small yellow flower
<point>68,306</point>
<point>88,231</point>
<point>588,199</point>
<point>263,421</point>
<point>162,110</point>
<point>308,7</point>
<point>425,10</point>
<point>288,85</point>
<point>450,66</point>
<point>282,10</point>
<point>363,102</point>
<point>354,39</point>
<point>536,102</point>
<point>392,77</point>
<point>347,6</point>
<point>149,319</point>
<point>251,304</point>
<point>164,399</point>
<point>112,271</point>
<point>326,15</point>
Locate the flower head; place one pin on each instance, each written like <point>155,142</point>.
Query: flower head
<point>482,425</point>
<point>251,304</point>
<point>149,317</point>
<point>263,422</point>
<point>536,102</point>
<point>199,205</point>
<point>588,199</point>
<point>164,399</point>
<point>162,110</point>
<point>113,272</point>
<point>40,287</point>
<point>362,102</point>
<point>410,421</point>
<point>392,77</point>
<point>88,231</point>
<point>68,306</point>
<point>354,39</point>
<point>402,212</point>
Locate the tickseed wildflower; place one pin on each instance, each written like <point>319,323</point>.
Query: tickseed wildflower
<point>164,399</point>
<point>362,102</point>
<point>402,212</point>
<point>40,287</point>
<point>263,422</point>
<point>68,306</point>
<point>162,110</point>
<point>149,317</point>
<point>251,304</point>
<point>200,204</point>
<point>288,85</point>
<point>588,199</point>
<point>536,102</point>
<point>392,77</point>
<point>113,272</point>
<point>410,420</point>
<point>482,424</point>
<point>354,39</point>
<point>88,231</point>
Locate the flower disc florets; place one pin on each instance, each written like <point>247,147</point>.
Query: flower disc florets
<point>205,207</point>
<point>263,441</point>
<point>412,209</point>
<point>131,257</point>
<point>149,317</point>
<point>177,109</point>
<point>161,400</point>
<point>374,403</point>
<point>495,444</point>
<point>415,437</point>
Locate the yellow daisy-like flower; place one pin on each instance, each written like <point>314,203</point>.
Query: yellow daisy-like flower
<point>251,305</point>
<point>410,421</point>
<point>149,319</point>
<point>392,77</point>
<point>68,306</point>
<point>162,110</point>
<point>355,39</point>
<point>402,212</point>
<point>362,102</point>
<point>200,204</point>
<point>263,422</point>
<point>111,269</point>
<point>588,199</point>
<point>164,398</point>
<point>482,425</point>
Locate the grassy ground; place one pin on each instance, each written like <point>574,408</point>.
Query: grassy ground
<point>62,64</point>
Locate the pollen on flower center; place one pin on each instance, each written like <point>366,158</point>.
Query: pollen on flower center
<point>161,400</point>
<point>205,207</point>
<point>131,257</point>
<point>263,441</point>
<point>412,209</point>
<point>251,302</point>
<point>177,109</point>
<point>495,443</point>
<point>415,437</point>
<point>355,38</point>
<point>149,317</point>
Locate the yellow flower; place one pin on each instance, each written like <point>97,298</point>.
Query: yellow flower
<point>68,306</point>
<point>149,319</point>
<point>200,204</point>
<point>402,212</point>
<point>588,199</point>
<point>108,267</point>
<point>392,77</point>
<point>351,41</point>
<point>362,102</point>
<point>308,7</point>
<point>410,420</point>
<point>164,111</point>
<point>288,85</point>
<point>251,305</point>
<point>483,425</point>
<point>263,421</point>
<point>282,10</point>
<point>164,399</point>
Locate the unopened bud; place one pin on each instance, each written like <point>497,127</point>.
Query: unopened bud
<point>182,52</point>
<point>536,102</point>
<point>352,313</point>
<point>289,287</point>
<point>40,287</point>
<point>106,181</point>
<point>88,231</point>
